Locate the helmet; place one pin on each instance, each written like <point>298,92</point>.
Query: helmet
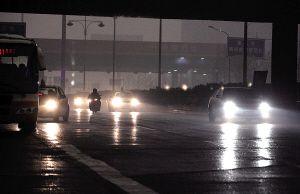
<point>94,90</point>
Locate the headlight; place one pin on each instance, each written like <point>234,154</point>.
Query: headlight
<point>229,109</point>
<point>51,105</point>
<point>78,101</point>
<point>117,101</point>
<point>134,102</point>
<point>264,109</point>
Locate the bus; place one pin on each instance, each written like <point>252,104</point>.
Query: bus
<point>20,62</point>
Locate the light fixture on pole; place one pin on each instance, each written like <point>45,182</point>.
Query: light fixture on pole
<point>85,24</point>
<point>227,35</point>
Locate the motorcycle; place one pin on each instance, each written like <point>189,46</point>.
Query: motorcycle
<point>95,105</point>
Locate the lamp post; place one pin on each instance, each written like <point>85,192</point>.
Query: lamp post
<point>159,55</point>
<point>227,35</point>
<point>245,53</point>
<point>114,56</point>
<point>85,24</point>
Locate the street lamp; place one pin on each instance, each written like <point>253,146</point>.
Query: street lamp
<point>227,35</point>
<point>85,24</point>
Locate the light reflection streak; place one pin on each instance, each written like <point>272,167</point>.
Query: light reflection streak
<point>263,144</point>
<point>49,164</point>
<point>52,131</point>
<point>78,113</point>
<point>228,138</point>
<point>116,130</point>
<point>134,117</point>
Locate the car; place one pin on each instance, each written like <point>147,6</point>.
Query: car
<point>80,100</point>
<point>53,103</point>
<point>230,103</point>
<point>123,101</point>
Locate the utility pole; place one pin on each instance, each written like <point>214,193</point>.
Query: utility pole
<point>245,54</point>
<point>114,55</point>
<point>22,17</point>
<point>63,53</point>
<point>159,54</point>
<point>228,54</point>
<point>85,34</point>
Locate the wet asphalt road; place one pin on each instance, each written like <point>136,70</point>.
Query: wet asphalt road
<point>166,152</point>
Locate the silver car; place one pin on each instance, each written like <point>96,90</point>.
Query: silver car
<point>230,103</point>
<point>123,101</point>
<point>53,103</point>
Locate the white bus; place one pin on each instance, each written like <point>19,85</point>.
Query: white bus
<point>20,63</point>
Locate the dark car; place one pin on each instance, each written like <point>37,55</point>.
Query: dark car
<point>123,101</point>
<point>53,103</point>
<point>231,103</point>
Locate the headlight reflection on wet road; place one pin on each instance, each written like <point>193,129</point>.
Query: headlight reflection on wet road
<point>78,113</point>
<point>83,114</point>
<point>133,127</point>
<point>116,130</point>
<point>228,139</point>
<point>52,131</point>
<point>263,144</point>
<point>134,117</point>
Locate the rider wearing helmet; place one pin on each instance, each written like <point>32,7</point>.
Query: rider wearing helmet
<point>94,95</point>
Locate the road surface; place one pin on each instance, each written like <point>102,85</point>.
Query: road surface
<point>152,152</point>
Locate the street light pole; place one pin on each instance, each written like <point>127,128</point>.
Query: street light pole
<point>22,17</point>
<point>85,34</point>
<point>245,54</point>
<point>227,35</point>
<point>63,54</point>
<point>114,55</point>
<point>159,54</point>
<point>85,26</point>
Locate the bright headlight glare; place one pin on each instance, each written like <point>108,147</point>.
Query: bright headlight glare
<point>230,109</point>
<point>134,102</point>
<point>51,105</point>
<point>117,102</point>
<point>78,101</point>
<point>264,109</point>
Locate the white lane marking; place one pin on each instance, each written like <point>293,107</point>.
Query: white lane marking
<point>104,170</point>
<point>107,172</point>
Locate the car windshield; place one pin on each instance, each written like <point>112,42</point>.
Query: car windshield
<point>17,72</point>
<point>48,91</point>
<point>240,93</point>
<point>123,94</point>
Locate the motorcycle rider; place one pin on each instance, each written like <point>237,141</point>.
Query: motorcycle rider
<point>95,105</point>
<point>94,95</point>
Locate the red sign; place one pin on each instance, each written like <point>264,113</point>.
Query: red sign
<point>7,52</point>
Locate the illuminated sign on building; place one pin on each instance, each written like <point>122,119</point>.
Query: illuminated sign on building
<point>255,46</point>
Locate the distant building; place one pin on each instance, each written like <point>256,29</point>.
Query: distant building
<point>137,63</point>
